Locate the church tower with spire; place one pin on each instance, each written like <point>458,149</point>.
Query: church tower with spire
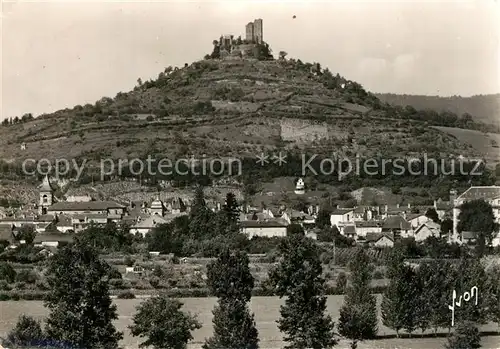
<point>46,191</point>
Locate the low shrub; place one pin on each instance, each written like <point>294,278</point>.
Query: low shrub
<point>126,295</point>
<point>378,275</point>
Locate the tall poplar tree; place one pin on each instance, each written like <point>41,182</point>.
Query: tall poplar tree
<point>81,311</point>
<point>200,216</point>
<point>230,280</point>
<point>358,315</point>
<point>298,278</point>
<point>400,301</point>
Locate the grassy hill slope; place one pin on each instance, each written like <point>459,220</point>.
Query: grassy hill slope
<point>229,108</point>
<point>236,108</point>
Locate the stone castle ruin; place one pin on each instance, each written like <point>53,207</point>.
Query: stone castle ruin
<point>255,31</point>
<point>254,35</point>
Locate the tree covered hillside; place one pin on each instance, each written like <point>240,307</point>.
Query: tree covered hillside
<point>483,108</point>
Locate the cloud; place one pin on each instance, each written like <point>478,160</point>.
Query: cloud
<point>404,66</point>
<point>372,66</point>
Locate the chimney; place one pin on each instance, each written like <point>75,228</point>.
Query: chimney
<point>218,206</point>
<point>317,209</point>
<point>397,205</point>
<point>409,205</point>
<point>337,207</point>
<point>386,208</point>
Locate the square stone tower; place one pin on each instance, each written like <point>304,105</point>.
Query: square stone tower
<point>258,31</point>
<point>249,32</point>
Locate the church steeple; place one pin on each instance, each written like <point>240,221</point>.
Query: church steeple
<point>46,186</point>
<point>46,191</point>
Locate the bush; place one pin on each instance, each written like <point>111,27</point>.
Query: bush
<point>26,276</point>
<point>114,273</point>
<point>378,275</point>
<point>341,282</point>
<point>7,273</point>
<point>126,295</point>
<point>118,284</point>
<point>128,261</point>
<point>466,336</point>
<point>4,285</point>
<point>325,258</point>
<point>26,332</point>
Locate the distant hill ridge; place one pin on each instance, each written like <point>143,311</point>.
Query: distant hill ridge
<point>483,108</point>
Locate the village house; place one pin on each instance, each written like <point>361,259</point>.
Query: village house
<point>255,216</point>
<point>366,227</point>
<point>426,230</point>
<point>64,224</point>
<point>393,210</point>
<point>416,219</point>
<point>52,239</point>
<point>82,221</point>
<point>364,213</point>
<point>341,215</point>
<point>145,226</point>
<point>445,207</point>
<point>349,230</point>
<point>381,240</point>
<point>112,210</point>
<point>178,206</point>
<point>273,211</point>
<point>292,216</point>
<point>397,226</point>
<point>270,228</point>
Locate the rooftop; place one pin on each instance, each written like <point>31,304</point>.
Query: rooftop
<point>374,237</point>
<point>396,222</point>
<point>341,211</point>
<point>263,224</point>
<point>53,237</point>
<point>486,193</point>
<point>84,206</point>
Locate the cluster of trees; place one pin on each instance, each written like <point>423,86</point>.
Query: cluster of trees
<point>202,231</point>
<point>18,120</point>
<point>477,216</point>
<point>418,296</point>
<point>81,313</point>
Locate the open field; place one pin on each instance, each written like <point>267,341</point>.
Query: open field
<point>266,311</point>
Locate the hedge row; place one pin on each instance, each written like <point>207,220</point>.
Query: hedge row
<point>177,293</point>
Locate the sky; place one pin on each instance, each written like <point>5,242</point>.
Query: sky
<point>60,54</point>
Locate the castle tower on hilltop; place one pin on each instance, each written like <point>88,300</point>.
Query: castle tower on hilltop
<point>249,31</point>
<point>255,31</point>
<point>46,192</point>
